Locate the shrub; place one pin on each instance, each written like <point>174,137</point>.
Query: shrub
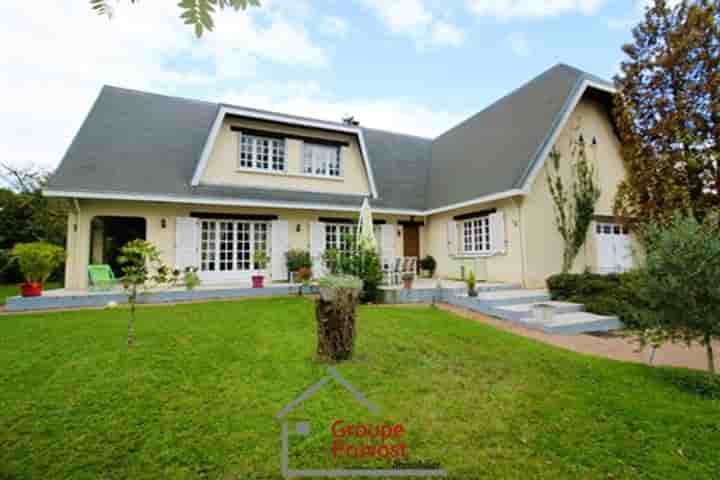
<point>364,264</point>
<point>37,260</point>
<point>428,263</point>
<point>297,259</point>
<point>611,294</point>
<point>340,281</point>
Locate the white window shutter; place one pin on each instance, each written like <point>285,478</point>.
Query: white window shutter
<point>341,160</point>
<point>387,244</point>
<point>280,243</point>
<point>497,232</point>
<point>317,247</point>
<point>452,238</point>
<point>186,242</point>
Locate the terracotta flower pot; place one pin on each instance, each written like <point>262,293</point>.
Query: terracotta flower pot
<point>258,281</point>
<point>31,289</point>
<point>408,284</point>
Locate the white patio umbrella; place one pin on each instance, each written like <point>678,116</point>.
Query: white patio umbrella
<point>365,233</point>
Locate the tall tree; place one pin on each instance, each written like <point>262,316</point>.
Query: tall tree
<point>198,13</point>
<point>668,112</point>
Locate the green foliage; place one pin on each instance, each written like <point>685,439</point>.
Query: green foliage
<point>191,279</point>
<point>198,13</point>
<point>428,263</point>
<point>141,268</point>
<point>611,294</point>
<point>296,259</point>
<point>26,216</point>
<point>261,259</point>
<point>340,281</point>
<point>37,260</point>
<point>471,282</point>
<point>666,113</point>
<point>574,206</point>
<point>681,282</point>
<point>408,276</point>
<point>361,263</point>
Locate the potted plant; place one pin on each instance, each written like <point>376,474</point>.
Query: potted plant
<point>303,275</point>
<point>297,259</point>
<point>37,261</point>
<point>260,259</point>
<point>428,264</point>
<point>471,284</point>
<point>191,279</point>
<point>408,278</point>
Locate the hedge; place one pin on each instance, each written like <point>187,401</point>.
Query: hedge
<point>611,294</point>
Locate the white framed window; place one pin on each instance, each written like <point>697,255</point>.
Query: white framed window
<point>322,160</point>
<point>230,245</point>
<point>261,153</point>
<point>336,236</point>
<point>476,235</point>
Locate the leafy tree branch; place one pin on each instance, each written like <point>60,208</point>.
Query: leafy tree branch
<point>198,13</point>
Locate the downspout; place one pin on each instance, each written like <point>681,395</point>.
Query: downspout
<point>521,226</point>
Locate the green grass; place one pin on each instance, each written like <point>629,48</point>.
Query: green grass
<point>197,397</point>
<point>13,290</point>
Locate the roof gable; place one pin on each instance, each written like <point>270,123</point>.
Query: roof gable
<point>491,151</point>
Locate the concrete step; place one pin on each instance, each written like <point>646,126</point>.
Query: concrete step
<point>580,322</point>
<point>496,287</point>
<point>512,297</point>
<point>525,310</point>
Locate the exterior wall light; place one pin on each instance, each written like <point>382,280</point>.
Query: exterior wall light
<point>163,223</point>
<point>297,228</point>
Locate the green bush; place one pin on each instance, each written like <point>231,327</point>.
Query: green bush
<point>297,259</point>
<point>364,264</point>
<point>429,264</point>
<point>37,260</point>
<point>611,294</point>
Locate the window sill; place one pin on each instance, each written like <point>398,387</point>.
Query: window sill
<point>468,256</point>
<point>317,177</point>
<point>262,172</point>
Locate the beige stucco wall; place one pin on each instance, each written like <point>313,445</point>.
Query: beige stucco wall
<point>222,166</point>
<point>543,242</point>
<point>503,267</point>
<point>164,238</point>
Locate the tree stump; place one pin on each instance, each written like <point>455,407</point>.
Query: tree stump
<point>336,311</point>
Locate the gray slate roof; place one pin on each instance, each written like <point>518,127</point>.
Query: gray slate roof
<point>142,143</point>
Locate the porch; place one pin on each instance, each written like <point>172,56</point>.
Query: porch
<point>65,298</point>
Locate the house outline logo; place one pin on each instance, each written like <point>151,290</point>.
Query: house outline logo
<point>303,428</point>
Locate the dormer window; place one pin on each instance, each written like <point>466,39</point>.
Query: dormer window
<point>262,153</point>
<point>322,160</point>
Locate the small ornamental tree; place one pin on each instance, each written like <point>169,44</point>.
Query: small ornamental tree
<point>574,204</point>
<point>141,268</point>
<point>680,283</point>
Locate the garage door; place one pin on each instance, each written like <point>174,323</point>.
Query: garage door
<point>614,248</point>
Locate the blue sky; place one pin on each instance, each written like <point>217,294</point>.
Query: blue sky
<point>414,66</point>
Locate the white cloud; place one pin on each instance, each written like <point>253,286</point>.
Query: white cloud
<point>518,43</point>
<point>309,99</point>
<point>57,57</point>
<point>444,33</point>
<point>402,16</point>
<point>334,26</point>
<point>413,18</point>
<point>506,9</point>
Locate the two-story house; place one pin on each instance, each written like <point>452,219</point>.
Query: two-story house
<point>210,184</point>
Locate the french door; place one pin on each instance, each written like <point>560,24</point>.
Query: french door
<point>227,248</point>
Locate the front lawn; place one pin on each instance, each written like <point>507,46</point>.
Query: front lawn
<point>197,398</point>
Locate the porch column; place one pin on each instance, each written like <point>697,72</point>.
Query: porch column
<point>78,251</point>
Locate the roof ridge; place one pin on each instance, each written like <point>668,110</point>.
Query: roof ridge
<point>155,94</point>
<point>393,132</point>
